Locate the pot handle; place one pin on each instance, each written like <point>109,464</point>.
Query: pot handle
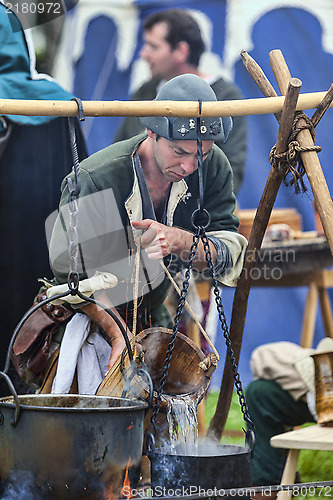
<point>141,370</point>
<point>16,399</point>
<point>150,444</point>
<point>144,371</point>
<point>250,440</point>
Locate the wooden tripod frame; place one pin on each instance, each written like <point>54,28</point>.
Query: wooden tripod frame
<point>284,110</point>
<point>290,87</point>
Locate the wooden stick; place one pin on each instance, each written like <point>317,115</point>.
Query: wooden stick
<point>259,226</point>
<point>310,159</point>
<point>323,106</point>
<point>260,78</point>
<point>156,108</point>
<point>280,70</point>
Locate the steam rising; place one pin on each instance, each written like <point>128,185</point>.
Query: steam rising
<point>21,485</point>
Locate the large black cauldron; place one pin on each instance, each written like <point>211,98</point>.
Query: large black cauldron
<point>73,446</point>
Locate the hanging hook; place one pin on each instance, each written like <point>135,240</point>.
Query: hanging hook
<point>250,440</point>
<point>73,281</point>
<point>75,191</point>
<point>150,443</point>
<point>205,221</point>
<point>80,108</point>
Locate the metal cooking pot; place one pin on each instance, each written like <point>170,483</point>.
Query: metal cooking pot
<point>206,466</point>
<point>75,446</point>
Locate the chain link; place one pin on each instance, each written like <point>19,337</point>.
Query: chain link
<point>200,235</point>
<point>171,345</point>
<point>73,210</point>
<point>224,325</point>
<point>73,239</point>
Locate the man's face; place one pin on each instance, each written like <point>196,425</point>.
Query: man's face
<point>157,52</point>
<point>178,159</point>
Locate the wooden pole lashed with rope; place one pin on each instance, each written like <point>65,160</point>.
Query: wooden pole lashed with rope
<point>291,88</point>
<point>310,158</point>
<point>240,107</point>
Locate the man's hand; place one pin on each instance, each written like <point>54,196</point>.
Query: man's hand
<point>118,345</point>
<point>158,240</point>
<point>108,324</point>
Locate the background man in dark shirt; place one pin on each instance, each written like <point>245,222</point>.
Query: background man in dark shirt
<point>173,46</point>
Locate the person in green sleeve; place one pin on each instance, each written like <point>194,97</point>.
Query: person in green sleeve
<point>140,194</point>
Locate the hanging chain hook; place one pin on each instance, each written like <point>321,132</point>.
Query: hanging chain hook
<point>80,108</point>
<point>74,191</point>
<point>73,278</point>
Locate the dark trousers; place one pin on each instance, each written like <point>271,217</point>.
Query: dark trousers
<point>272,411</point>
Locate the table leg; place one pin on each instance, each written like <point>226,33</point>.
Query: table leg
<point>326,312</point>
<point>289,473</point>
<point>309,317</point>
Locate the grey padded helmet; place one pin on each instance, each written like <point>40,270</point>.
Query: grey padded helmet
<point>188,87</point>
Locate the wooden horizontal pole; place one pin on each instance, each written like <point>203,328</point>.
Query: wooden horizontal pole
<point>260,106</point>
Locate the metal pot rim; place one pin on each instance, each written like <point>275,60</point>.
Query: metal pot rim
<point>131,405</point>
<point>238,450</point>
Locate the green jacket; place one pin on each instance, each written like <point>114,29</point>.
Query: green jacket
<point>110,200</point>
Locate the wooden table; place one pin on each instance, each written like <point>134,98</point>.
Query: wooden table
<point>300,262</point>
<point>290,260</point>
<point>313,437</point>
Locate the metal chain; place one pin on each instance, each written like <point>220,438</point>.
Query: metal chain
<point>201,234</point>
<point>171,345</point>
<point>73,210</point>
<point>73,239</point>
<point>223,321</point>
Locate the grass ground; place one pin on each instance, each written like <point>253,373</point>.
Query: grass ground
<point>312,465</point>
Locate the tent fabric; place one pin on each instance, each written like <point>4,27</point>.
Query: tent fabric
<point>98,59</point>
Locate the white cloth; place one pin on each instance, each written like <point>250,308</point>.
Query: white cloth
<point>275,361</point>
<point>291,366</point>
<point>100,281</point>
<point>305,364</point>
<point>80,350</point>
